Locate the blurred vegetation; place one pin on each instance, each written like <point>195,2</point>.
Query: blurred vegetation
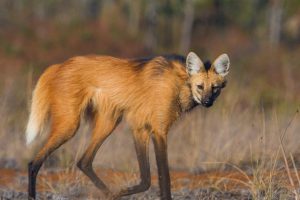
<point>261,37</point>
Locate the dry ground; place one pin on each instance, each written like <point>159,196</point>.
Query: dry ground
<point>71,184</point>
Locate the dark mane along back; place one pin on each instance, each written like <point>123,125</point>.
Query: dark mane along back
<point>175,57</point>
<point>141,62</point>
<point>169,57</point>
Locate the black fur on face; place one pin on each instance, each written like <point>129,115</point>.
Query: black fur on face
<point>211,96</point>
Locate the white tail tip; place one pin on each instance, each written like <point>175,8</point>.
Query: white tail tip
<point>31,132</point>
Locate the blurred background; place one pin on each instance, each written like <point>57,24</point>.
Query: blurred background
<point>260,102</point>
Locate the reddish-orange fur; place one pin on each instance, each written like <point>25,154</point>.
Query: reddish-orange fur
<point>149,97</point>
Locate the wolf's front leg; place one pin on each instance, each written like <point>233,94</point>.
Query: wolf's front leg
<point>160,147</point>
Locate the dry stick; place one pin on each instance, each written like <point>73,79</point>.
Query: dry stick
<point>289,124</point>
<point>284,154</point>
<point>295,169</point>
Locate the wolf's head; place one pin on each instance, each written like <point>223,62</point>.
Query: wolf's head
<point>207,80</point>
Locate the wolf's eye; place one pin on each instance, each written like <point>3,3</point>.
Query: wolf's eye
<point>200,87</point>
<point>223,84</point>
<point>216,88</point>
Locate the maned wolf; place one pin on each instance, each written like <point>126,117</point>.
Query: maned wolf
<point>150,93</point>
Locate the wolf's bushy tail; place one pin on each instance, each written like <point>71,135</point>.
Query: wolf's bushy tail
<point>40,105</point>
<point>38,112</point>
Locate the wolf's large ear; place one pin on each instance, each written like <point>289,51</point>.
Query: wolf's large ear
<point>193,64</point>
<point>221,65</point>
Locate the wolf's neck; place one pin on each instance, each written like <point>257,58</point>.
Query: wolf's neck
<point>186,99</point>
